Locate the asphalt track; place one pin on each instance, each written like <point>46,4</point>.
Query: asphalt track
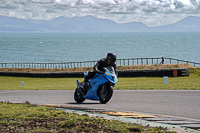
<point>178,103</point>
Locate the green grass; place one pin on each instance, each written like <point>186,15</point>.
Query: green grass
<point>29,118</point>
<point>157,83</point>
<point>188,82</point>
<point>14,83</point>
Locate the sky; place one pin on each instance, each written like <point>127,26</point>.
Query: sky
<point>150,12</point>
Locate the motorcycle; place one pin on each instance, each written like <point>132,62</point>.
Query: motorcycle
<point>100,87</point>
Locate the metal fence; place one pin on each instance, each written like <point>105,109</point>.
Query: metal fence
<point>152,61</point>
<point>119,62</point>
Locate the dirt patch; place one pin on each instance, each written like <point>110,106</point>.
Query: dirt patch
<point>83,69</point>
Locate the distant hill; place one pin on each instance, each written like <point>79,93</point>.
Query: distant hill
<point>91,24</point>
<point>189,24</point>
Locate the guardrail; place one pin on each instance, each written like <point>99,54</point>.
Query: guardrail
<point>119,62</point>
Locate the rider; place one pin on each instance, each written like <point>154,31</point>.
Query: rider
<point>99,67</point>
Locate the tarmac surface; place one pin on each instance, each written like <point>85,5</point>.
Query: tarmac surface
<point>179,103</point>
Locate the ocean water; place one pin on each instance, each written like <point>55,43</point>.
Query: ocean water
<point>68,47</point>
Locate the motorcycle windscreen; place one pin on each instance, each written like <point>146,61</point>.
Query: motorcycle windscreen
<point>110,74</point>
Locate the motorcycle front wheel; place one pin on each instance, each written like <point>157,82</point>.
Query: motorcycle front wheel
<point>105,96</point>
<point>78,97</point>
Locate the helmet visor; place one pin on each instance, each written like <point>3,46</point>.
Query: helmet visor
<point>110,60</point>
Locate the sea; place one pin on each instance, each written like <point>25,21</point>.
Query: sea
<point>78,47</point>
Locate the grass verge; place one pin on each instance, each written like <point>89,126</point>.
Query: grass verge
<point>29,118</point>
<point>191,82</point>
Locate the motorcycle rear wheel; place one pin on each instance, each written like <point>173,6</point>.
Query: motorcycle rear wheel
<point>78,97</point>
<point>106,96</point>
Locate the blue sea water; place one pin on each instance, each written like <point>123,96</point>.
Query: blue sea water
<point>72,47</point>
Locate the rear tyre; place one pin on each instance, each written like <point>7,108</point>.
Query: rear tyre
<point>105,96</point>
<point>78,97</point>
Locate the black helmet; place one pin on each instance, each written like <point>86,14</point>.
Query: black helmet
<point>111,58</point>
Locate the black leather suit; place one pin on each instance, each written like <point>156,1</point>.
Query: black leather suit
<point>98,68</point>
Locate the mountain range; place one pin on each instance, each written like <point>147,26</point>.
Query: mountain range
<point>89,24</point>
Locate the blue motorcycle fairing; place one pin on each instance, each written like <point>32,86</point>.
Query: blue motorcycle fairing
<point>98,80</point>
<point>110,76</point>
<point>95,83</point>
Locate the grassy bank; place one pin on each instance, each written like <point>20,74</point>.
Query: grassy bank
<point>191,82</point>
<point>188,82</point>
<point>28,118</point>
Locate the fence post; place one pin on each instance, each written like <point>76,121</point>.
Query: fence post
<point>128,62</point>
<point>147,60</point>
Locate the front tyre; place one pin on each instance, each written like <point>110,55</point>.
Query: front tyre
<point>105,96</point>
<point>78,97</point>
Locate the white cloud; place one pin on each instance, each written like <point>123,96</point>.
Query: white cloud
<point>150,12</point>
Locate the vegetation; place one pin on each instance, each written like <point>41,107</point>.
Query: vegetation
<point>191,82</point>
<point>14,83</point>
<point>29,118</point>
<point>188,82</point>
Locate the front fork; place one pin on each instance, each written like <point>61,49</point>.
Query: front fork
<point>79,87</point>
